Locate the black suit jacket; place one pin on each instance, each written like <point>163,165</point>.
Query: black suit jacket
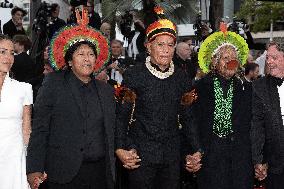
<point>10,29</point>
<point>202,117</point>
<point>57,139</point>
<point>56,26</point>
<point>23,67</point>
<point>267,125</point>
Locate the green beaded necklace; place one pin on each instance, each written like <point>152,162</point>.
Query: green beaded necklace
<point>223,110</point>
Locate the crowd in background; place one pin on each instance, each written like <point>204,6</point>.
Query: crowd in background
<point>121,60</point>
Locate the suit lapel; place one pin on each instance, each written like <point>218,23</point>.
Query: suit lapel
<point>274,100</point>
<point>108,110</point>
<point>105,103</point>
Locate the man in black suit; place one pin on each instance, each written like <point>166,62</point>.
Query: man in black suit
<point>72,138</point>
<point>118,63</point>
<point>267,132</point>
<point>251,73</point>
<point>23,68</point>
<point>15,25</point>
<point>57,22</point>
<point>95,19</point>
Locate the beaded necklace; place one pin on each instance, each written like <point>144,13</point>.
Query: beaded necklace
<point>222,126</point>
<point>158,74</point>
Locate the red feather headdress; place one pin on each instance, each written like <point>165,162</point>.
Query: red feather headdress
<point>71,34</point>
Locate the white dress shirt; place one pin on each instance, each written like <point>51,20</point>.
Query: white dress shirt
<point>281,96</point>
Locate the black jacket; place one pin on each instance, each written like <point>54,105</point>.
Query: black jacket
<point>23,67</point>
<point>233,152</point>
<point>57,139</point>
<point>57,24</point>
<point>155,133</point>
<point>10,29</point>
<point>203,113</point>
<point>267,132</point>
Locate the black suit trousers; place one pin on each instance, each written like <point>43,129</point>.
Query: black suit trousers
<point>155,176</point>
<point>92,175</point>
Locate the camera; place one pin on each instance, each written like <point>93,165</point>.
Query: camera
<point>43,17</point>
<point>126,23</point>
<point>6,4</point>
<point>76,3</point>
<point>202,28</point>
<point>237,26</point>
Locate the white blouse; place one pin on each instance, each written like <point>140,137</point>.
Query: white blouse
<point>14,96</point>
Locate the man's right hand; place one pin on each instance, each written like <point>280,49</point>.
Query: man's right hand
<point>35,179</point>
<point>260,171</point>
<point>193,162</point>
<point>129,158</point>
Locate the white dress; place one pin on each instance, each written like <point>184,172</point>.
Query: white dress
<point>14,96</point>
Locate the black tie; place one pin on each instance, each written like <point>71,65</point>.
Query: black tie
<point>277,81</point>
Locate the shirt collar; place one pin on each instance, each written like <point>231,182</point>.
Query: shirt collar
<point>77,82</point>
<point>158,69</point>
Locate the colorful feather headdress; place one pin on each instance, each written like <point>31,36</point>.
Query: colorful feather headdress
<point>215,41</point>
<point>71,34</point>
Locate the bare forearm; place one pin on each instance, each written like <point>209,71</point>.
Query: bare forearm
<point>26,124</point>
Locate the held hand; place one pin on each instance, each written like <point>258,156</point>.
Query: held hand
<point>260,171</point>
<point>193,162</point>
<point>129,158</point>
<point>35,179</point>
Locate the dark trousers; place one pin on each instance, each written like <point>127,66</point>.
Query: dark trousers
<point>226,166</point>
<point>275,181</point>
<point>155,176</point>
<point>92,175</point>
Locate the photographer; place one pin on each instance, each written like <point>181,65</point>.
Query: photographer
<point>57,22</point>
<point>136,39</point>
<point>15,25</point>
<point>95,19</point>
<point>118,63</point>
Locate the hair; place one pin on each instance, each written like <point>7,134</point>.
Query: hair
<point>23,40</point>
<point>104,24</point>
<point>250,67</point>
<point>16,9</point>
<point>53,7</point>
<point>4,37</point>
<point>70,51</point>
<point>116,41</point>
<point>91,2</point>
<point>180,45</point>
<point>279,47</point>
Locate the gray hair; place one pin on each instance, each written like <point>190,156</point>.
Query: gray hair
<point>279,47</point>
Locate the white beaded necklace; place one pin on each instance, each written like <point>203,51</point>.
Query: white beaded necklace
<point>159,74</point>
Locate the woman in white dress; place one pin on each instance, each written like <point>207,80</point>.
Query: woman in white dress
<point>15,121</point>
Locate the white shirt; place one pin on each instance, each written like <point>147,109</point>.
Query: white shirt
<point>281,96</point>
<point>261,62</point>
<point>132,49</point>
<point>115,74</point>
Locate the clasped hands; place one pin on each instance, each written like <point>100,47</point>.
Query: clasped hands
<point>260,171</point>
<point>129,158</point>
<point>35,179</point>
<point>193,162</point>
